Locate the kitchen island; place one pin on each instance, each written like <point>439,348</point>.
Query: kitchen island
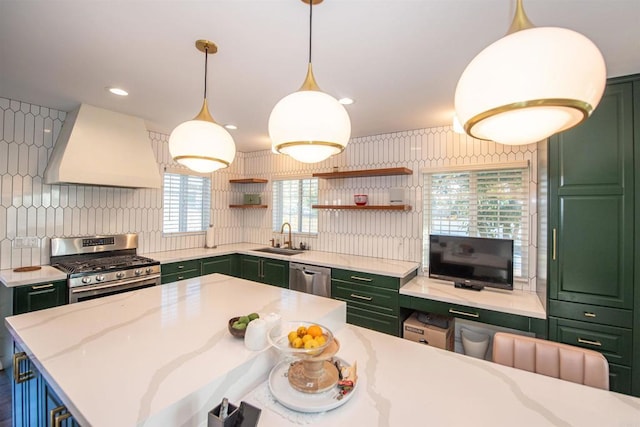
<point>162,356</point>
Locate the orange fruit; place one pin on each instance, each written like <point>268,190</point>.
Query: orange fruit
<point>302,331</point>
<point>315,331</point>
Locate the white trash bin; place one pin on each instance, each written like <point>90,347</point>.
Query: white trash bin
<point>474,344</point>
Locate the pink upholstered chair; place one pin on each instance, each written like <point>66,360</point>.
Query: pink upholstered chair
<point>553,359</point>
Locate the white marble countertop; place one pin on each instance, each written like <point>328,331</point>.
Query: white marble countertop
<point>403,383</point>
<point>387,267</point>
<point>162,357</point>
<point>10,278</point>
<point>514,302</point>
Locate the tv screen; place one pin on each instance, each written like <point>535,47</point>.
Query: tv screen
<point>471,262</point>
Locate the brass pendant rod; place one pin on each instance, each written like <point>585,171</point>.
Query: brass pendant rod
<point>206,54</point>
<point>310,27</point>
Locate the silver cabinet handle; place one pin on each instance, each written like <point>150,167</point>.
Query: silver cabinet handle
<point>364,279</point>
<point>60,418</point>
<point>554,238</point>
<point>596,343</point>
<point>463,313</point>
<point>49,286</point>
<point>587,314</point>
<point>180,267</point>
<point>180,277</point>
<point>361,297</point>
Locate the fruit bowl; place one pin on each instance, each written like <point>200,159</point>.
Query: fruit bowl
<point>279,338</point>
<point>238,333</point>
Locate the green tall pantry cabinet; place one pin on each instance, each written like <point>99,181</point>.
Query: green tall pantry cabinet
<point>594,291</point>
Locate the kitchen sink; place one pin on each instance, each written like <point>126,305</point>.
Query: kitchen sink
<point>279,251</point>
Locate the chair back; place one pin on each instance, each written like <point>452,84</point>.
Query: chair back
<point>553,359</point>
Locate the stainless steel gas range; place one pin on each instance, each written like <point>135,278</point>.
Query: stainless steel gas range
<point>98,266</point>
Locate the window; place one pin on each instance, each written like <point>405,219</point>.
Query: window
<point>479,203</point>
<point>292,200</point>
<point>187,203</point>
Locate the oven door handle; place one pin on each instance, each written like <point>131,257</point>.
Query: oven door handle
<point>81,289</point>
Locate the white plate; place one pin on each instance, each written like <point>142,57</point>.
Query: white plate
<point>304,402</point>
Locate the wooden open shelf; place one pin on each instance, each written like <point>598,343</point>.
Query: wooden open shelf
<point>249,206</point>
<point>364,172</point>
<point>249,181</point>
<point>366,207</point>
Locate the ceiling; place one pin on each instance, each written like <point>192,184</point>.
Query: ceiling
<point>399,59</point>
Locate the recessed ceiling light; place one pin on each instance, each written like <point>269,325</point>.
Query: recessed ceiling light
<point>346,101</point>
<point>231,127</point>
<point>118,91</point>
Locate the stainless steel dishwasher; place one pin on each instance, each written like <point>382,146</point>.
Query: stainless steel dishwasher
<point>310,279</point>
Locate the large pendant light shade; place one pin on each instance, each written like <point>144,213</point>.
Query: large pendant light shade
<point>309,125</point>
<point>202,144</point>
<point>530,84</point>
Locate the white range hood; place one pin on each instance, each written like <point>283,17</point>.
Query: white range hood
<point>102,147</point>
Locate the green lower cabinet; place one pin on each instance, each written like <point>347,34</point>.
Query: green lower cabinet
<point>225,264</point>
<point>506,320</point>
<point>39,296</point>
<point>372,300</point>
<point>615,343</point>
<point>182,270</point>
<point>265,270</point>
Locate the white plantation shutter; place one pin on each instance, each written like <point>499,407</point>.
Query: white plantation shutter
<point>292,200</point>
<point>479,203</point>
<point>186,204</point>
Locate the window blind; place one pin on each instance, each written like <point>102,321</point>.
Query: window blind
<point>491,203</point>
<point>292,200</point>
<point>186,203</point>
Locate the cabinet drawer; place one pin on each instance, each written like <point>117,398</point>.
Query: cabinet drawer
<point>182,266</point>
<point>181,275</point>
<point>613,342</point>
<point>39,296</point>
<point>373,320</point>
<point>591,313</point>
<point>491,317</point>
<point>357,277</point>
<point>380,300</point>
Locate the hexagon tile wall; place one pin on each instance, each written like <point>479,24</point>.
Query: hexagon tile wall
<point>30,208</point>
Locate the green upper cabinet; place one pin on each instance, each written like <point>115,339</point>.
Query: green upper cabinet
<point>591,181</point>
<point>39,296</point>
<point>265,270</point>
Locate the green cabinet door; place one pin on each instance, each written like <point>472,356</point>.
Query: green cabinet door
<point>180,270</point>
<point>275,272</point>
<point>265,270</point>
<point>225,264</point>
<point>39,296</point>
<point>591,206</point>
<point>250,268</point>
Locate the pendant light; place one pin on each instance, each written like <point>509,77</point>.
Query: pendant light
<point>309,125</point>
<point>530,84</point>
<point>202,144</point>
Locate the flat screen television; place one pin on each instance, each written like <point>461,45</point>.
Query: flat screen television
<point>471,262</point>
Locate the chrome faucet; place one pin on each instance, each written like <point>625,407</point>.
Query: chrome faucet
<point>287,243</point>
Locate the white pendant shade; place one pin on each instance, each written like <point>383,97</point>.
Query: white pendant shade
<point>529,85</point>
<point>309,125</point>
<point>202,146</point>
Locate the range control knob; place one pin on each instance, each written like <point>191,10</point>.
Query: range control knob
<point>119,274</point>
<point>100,278</point>
<point>138,272</point>
<point>148,270</point>
<point>86,280</point>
